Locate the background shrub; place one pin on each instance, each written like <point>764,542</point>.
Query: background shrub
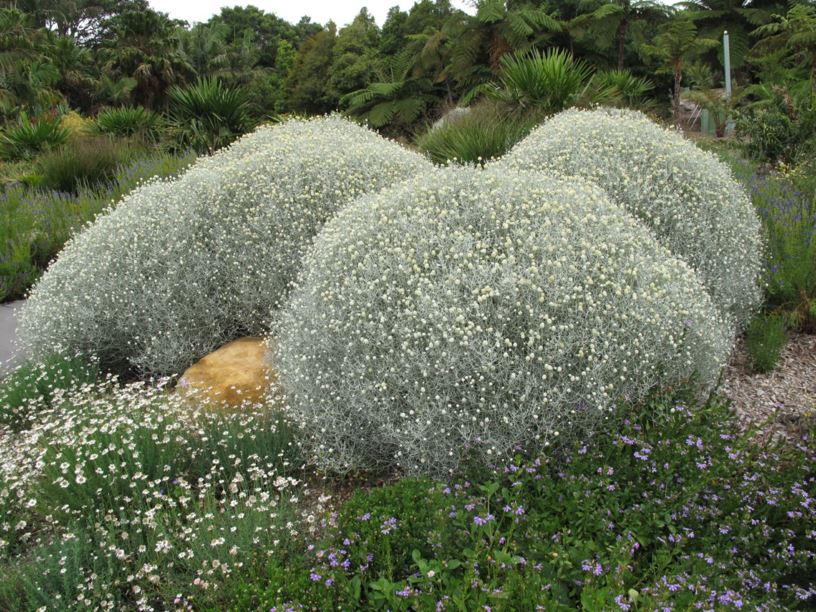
<point>181,267</point>
<point>787,206</point>
<point>208,114</point>
<point>465,312</point>
<point>764,340</point>
<point>35,224</point>
<point>686,196</point>
<point>76,124</point>
<point>779,125</point>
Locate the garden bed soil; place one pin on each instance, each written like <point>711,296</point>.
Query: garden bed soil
<point>780,402</point>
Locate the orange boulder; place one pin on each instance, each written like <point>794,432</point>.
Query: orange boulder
<point>235,374</point>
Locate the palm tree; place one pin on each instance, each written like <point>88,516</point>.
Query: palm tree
<point>610,22</point>
<point>145,45</point>
<point>738,17</point>
<point>542,82</point>
<point>27,77</point>
<point>204,47</point>
<point>114,92</point>
<point>400,98</point>
<point>676,45</point>
<point>75,67</point>
<point>795,34</point>
<point>18,40</point>
<point>499,27</point>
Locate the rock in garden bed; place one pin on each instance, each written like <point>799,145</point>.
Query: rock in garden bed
<point>234,375</point>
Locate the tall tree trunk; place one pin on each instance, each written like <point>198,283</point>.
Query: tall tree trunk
<point>498,48</point>
<point>623,26</point>
<point>678,83</point>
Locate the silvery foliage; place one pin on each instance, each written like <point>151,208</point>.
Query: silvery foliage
<point>686,196</point>
<point>182,266</point>
<point>468,311</point>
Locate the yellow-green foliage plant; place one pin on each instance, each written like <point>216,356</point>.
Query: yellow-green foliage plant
<point>182,266</point>
<point>467,312</point>
<point>685,196</point>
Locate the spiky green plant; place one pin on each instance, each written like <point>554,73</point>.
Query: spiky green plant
<point>624,88</point>
<point>126,121</point>
<point>208,114</point>
<point>484,133</point>
<point>548,81</point>
<point>28,137</point>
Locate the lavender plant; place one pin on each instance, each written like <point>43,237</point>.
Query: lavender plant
<point>182,266</point>
<point>466,312</point>
<point>686,197</point>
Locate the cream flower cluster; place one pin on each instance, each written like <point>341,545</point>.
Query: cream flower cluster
<point>686,196</point>
<point>182,266</point>
<point>466,312</point>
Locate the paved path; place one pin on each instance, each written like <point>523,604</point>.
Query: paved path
<point>9,354</point>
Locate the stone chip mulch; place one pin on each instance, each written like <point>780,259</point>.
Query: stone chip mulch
<point>781,402</point>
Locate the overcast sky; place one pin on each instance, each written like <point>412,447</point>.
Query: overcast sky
<point>321,11</point>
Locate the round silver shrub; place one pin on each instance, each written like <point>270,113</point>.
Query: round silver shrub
<point>686,196</point>
<point>466,312</point>
<point>180,267</point>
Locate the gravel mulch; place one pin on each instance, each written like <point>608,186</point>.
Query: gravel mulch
<point>781,402</point>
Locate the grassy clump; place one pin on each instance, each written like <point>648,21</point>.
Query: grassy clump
<point>84,162</point>
<point>127,122</point>
<point>765,339</point>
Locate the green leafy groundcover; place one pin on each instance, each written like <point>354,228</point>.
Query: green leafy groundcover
<point>676,511</point>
